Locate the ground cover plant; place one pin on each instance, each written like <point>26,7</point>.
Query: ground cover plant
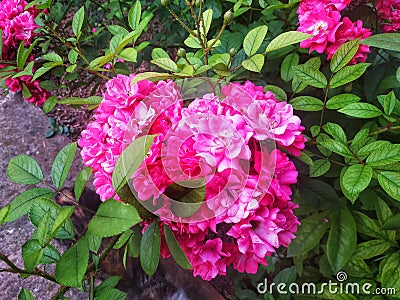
<point>257,140</point>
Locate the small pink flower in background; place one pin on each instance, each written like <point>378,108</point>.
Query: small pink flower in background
<point>94,30</point>
<point>18,25</point>
<point>322,19</point>
<point>389,12</point>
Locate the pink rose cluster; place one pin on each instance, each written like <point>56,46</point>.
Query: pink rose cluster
<point>18,25</point>
<point>247,212</point>
<point>322,19</point>
<point>389,13</point>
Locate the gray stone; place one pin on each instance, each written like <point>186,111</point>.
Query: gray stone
<point>22,131</point>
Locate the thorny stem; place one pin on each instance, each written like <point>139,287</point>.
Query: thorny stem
<point>14,269</point>
<point>61,291</point>
<point>181,22</point>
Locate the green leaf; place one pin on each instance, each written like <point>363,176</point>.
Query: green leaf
<point>50,255</point>
<point>307,103</point>
<point>371,147</point>
<point>40,208</point>
<point>366,225</point>
<point>384,156</point>
<point>308,235</point>
<point>319,167</point>
<point>23,54</point>
<point>159,53</point>
<point>392,223</point>
<point>80,182</point>
<point>20,53</point>
<point>64,214</point>
<point>254,63</point>
<point>342,239</point>
<point>297,84</point>
<point>32,253</point>
<point>125,41</point>
<point>113,294</point>
<point>71,268</point>
<point>3,214</point>
<point>43,229</point>
<point>116,29</point>
<point>341,100</point>
<point>93,100</point>
<point>356,179</point>
<point>371,249</point>
<point>134,15</point>
<point>134,242</point>
<point>207,17</point>
<point>348,74</point>
<point>388,41</point>
<point>123,239</point>
<point>344,55</point>
<point>310,75</point>
<point>112,218</point>
<point>101,61</point>
<point>77,21</point>
<point>388,102</point>
<point>42,70</point>
<point>390,276</point>
<point>107,284</point>
<point>253,40</point>
<point>24,294</point>
<point>383,211</point>
<point>279,93</point>
<point>360,138</point>
<point>54,57</point>
<point>361,110</point>
<point>335,131</point>
<point>390,182</point>
<point>337,147</point>
<point>22,204</point>
<point>175,249</point>
<point>286,68</point>
<point>128,54</point>
<point>26,93</point>
<point>62,164</point>
<point>130,160</point>
<point>24,169</point>
<point>152,76</point>
<point>94,242</point>
<point>166,64</point>
<point>73,56</point>
<point>192,42</point>
<point>50,103</point>
<point>150,248</point>
<point>188,196</point>
<point>286,39</point>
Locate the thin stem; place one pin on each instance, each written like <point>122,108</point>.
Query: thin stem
<point>325,100</point>
<point>14,269</point>
<point>60,293</point>
<point>181,22</point>
<point>91,292</point>
<point>384,129</point>
<point>104,253</point>
<point>218,36</point>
